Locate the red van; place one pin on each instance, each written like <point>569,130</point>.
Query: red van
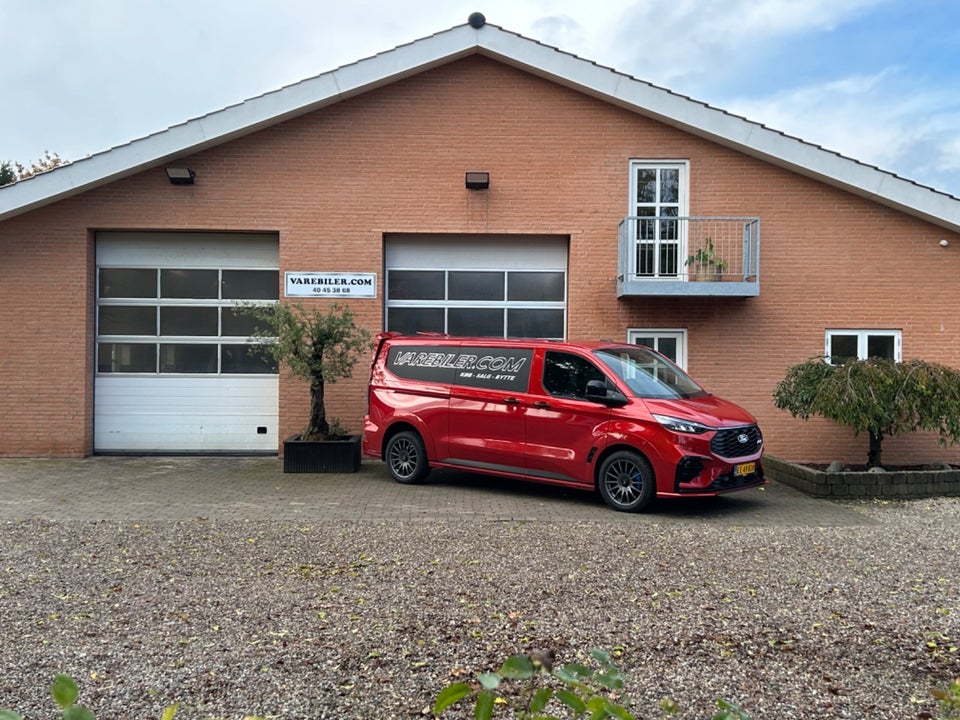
<point>619,418</point>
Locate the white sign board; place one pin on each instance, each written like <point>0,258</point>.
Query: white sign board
<point>330,284</point>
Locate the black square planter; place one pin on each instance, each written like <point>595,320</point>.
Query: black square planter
<point>321,456</point>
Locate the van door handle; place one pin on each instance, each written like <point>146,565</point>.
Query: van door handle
<point>511,401</point>
<point>541,404</point>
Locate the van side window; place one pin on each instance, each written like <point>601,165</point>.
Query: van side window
<point>566,375</point>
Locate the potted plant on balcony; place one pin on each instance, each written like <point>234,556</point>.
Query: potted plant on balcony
<point>704,264</point>
<point>321,346</point>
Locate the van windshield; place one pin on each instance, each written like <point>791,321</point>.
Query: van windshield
<point>649,374</point>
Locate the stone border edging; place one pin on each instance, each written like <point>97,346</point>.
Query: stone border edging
<point>896,484</point>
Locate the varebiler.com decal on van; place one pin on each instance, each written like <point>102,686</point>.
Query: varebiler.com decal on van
<point>495,368</point>
<point>620,419</point>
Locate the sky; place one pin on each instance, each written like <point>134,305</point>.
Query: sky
<point>875,80</point>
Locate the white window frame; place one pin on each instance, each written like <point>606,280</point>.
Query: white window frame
<point>683,208</point>
<point>862,338</point>
<point>678,334</point>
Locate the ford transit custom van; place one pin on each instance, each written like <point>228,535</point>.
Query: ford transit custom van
<point>620,419</point>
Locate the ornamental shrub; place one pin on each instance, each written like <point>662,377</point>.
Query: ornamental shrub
<point>879,397</point>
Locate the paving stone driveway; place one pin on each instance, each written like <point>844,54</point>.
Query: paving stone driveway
<point>257,489</point>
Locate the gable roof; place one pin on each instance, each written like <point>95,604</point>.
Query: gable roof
<point>478,37</point>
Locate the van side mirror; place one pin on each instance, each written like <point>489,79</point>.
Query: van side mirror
<point>597,391</point>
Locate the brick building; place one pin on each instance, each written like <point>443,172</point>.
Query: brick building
<point>474,181</point>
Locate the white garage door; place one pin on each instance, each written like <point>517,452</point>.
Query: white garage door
<point>174,373</point>
<point>492,286</point>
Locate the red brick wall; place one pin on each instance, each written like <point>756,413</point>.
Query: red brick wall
<point>393,160</point>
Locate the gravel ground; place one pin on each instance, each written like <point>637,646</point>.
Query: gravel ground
<point>354,620</point>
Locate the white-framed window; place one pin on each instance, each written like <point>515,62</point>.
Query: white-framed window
<point>669,342</point>
<point>658,194</point>
<point>847,344</point>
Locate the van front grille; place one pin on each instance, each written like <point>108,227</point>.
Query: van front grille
<point>737,442</point>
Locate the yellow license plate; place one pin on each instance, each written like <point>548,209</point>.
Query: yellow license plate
<point>744,469</point>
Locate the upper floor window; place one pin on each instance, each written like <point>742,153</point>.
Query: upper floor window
<point>842,345</point>
<point>658,198</point>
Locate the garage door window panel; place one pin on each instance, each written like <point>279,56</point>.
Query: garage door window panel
<point>533,323</point>
<point>128,320</point>
<point>128,283</point>
<point>189,320</point>
<point>413,320</point>
<point>480,322</point>
<point>183,358</point>
<point>239,324</point>
<point>195,284</point>
<point>487,303</point>
<point>416,285</point>
<point>127,358</point>
<point>250,285</point>
<point>536,287</point>
<point>476,286</point>
<point>142,331</point>
<point>244,359</point>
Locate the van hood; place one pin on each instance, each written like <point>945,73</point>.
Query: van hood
<point>708,410</point>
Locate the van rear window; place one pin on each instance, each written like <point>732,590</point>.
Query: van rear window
<point>485,367</point>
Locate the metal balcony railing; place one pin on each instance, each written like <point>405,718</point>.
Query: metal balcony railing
<point>662,255</point>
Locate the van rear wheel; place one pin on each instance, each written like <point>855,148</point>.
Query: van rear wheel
<point>626,482</point>
<point>406,457</point>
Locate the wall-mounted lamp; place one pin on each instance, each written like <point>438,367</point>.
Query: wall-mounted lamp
<point>478,180</point>
<point>944,242</point>
<point>180,176</point>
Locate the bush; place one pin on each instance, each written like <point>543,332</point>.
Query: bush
<point>880,397</point>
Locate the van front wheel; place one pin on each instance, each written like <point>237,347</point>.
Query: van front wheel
<point>626,482</point>
<point>406,457</point>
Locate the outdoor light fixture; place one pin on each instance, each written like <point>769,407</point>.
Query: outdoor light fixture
<point>478,180</point>
<point>180,176</point>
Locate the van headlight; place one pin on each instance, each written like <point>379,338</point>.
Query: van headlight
<point>682,426</point>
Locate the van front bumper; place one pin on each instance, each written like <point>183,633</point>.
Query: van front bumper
<point>694,477</point>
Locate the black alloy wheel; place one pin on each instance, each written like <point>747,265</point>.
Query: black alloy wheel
<point>406,457</point>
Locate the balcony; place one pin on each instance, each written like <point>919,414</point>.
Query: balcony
<point>688,257</point>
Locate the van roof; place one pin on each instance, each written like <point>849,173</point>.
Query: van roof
<point>442,339</point>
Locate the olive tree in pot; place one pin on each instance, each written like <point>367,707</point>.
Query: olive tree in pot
<point>319,345</point>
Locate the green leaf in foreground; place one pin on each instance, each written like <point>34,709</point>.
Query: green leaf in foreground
<point>451,695</point>
<point>77,712</point>
<point>484,708</point>
<point>517,667</point>
<point>64,690</point>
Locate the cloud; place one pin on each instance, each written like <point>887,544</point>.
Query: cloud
<point>688,44</point>
<point>880,119</point>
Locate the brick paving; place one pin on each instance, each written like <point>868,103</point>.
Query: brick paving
<point>257,489</point>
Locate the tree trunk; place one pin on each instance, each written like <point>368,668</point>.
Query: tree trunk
<point>318,417</point>
<point>876,449</point>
